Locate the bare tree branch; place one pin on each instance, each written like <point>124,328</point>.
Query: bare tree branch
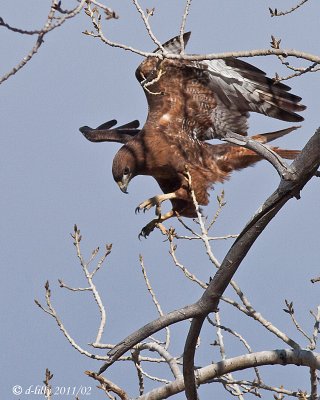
<point>48,387</point>
<point>315,328</point>
<point>237,335</point>
<point>276,13</point>
<point>303,168</point>
<point>183,25</point>
<point>163,352</point>
<point>147,25</point>
<point>234,388</point>
<point>49,26</point>
<point>108,386</point>
<point>314,384</point>
<point>92,288</point>
<point>95,17</point>
<point>154,299</point>
<point>206,374</point>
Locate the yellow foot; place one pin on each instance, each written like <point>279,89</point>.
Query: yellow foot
<point>155,202</point>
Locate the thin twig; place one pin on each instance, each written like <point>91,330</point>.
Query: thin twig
<point>111,14</point>
<point>89,276</point>
<point>237,335</point>
<point>315,328</point>
<point>107,385</point>
<point>183,25</point>
<point>221,204</point>
<point>235,390</point>
<point>276,13</point>
<point>51,311</point>
<point>151,377</point>
<point>49,26</point>
<point>298,71</point>
<point>19,30</point>
<point>186,272</point>
<point>290,310</point>
<point>170,360</point>
<point>48,387</point>
<point>137,363</point>
<point>154,299</point>
<point>148,27</point>
<point>257,385</point>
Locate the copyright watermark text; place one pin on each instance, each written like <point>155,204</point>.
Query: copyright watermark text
<point>55,390</point>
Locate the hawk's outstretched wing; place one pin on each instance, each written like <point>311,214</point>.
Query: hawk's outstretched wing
<point>207,98</point>
<point>104,133</point>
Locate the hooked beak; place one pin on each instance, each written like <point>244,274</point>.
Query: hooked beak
<point>123,184</point>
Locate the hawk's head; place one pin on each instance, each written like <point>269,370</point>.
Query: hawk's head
<point>126,165</point>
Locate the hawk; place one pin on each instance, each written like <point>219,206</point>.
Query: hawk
<point>191,102</point>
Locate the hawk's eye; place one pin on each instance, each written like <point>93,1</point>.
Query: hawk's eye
<point>126,171</point>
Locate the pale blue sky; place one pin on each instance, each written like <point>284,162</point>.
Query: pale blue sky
<point>51,178</point>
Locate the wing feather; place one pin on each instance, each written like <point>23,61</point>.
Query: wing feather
<point>104,133</point>
<point>202,100</point>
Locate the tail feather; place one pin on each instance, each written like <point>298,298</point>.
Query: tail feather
<point>270,136</point>
<point>287,154</point>
<point>231,157</point>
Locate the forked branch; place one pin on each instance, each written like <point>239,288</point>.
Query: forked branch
<point>302,170</point>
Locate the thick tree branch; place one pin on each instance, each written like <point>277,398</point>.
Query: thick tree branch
<point>301,170</point>
<point>152,327</point>
<point>206,374</point>
<point>265,151</point>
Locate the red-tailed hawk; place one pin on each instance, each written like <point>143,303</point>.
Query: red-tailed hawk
<point>191,102</point>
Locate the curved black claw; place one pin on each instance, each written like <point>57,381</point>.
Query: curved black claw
<point>155,223</point>
<point>139,208</point>
<point>145,231</point>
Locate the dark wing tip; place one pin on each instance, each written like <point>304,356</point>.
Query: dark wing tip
<point>108,124</point>
<point>85,129</point>
<point>130,125</point>
<point>88,133</point>
<point>297,118</point>
<point>106,133</point>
